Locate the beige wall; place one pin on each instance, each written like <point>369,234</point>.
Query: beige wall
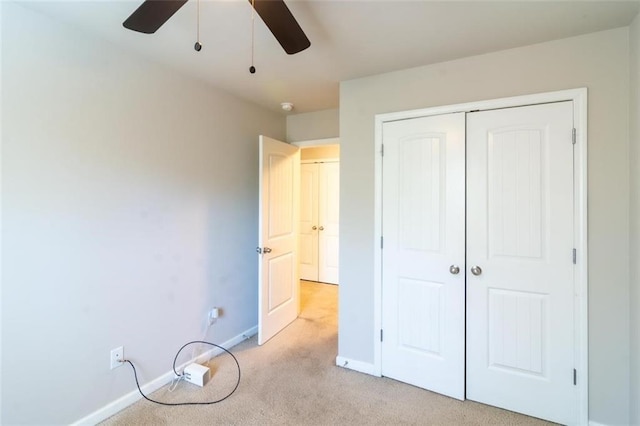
<point>634,133</point>
<point>130,206</point>
<point>313,125</point>
<point>320,152</point>
<point>599,61</point>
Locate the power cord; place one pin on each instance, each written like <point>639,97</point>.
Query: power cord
<point>135,375</point>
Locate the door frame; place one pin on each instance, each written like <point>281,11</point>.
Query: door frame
<point>581,330</point>
<point>312,143</point>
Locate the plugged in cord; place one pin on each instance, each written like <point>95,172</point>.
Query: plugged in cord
<point>135,375</point>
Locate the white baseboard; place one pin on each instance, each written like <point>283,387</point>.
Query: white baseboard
<point>592,423</point>
<point>362,367</point>
<point>206,356</point>
<point>128,399</point>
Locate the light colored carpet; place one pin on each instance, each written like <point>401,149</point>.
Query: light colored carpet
<point>293,380</point>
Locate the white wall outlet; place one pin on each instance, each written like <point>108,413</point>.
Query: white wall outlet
<point>214,313</point>
<point>117,356</point>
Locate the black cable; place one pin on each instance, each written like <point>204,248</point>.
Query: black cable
<point>135,375</point>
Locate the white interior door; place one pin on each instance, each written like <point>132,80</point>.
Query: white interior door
<point>278,285</point>
<point>329,222</point>
<point>423,263</point>
<point>520,304</point>
<point>309,221</point>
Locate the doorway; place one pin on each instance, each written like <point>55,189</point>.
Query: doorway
<point>478,274</point>
<point>278,234</point>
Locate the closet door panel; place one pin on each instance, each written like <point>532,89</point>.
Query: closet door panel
<point>329,220</point>
<point>423,258</point>
<point>520,297</point>
<point>309,174</point>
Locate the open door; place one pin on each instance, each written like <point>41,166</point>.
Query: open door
<point>278,279</point>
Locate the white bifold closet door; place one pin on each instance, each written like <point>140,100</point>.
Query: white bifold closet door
<point>309,221</point>
<point>319,221</point>
<point>423,229</point>
<point>512,193</point>
<point>520,306</point>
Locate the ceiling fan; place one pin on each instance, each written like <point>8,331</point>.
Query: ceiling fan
<point>152,14</point>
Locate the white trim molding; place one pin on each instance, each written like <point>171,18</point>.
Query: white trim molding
<point>579,99</point>
<point>351,364</point>
<point>148,388</point>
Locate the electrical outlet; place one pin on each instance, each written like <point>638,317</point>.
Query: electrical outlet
<point>213,315</point>
<point>117,356</point>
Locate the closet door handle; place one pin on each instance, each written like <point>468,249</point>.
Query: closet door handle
<point>454,269</point>
<point>476,270</point>
<point>314,227</point>
<point>322,228</point>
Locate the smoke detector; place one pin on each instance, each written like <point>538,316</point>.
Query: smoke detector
<point>286,106</point>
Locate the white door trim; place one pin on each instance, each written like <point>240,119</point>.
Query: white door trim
<point>579,98</point>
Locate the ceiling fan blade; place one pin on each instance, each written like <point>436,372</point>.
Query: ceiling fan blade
<point>152,14</point>
<point>278,18</point>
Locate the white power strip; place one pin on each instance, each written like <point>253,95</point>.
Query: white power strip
<point>197,374</point>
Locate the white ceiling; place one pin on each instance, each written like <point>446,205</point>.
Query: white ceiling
<point>349,39</point>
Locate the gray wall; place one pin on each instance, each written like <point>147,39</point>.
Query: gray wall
<point>599,61</point>
<point>634,133</point>
<point>313,125</point>
<point>130,204</point>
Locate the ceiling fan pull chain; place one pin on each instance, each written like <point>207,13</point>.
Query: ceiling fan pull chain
<point>252,69</point>
<point>198,46</point>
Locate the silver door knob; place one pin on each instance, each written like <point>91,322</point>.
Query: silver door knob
<point>454,269</point>
<point>266,250</point>
<point>314,227</point>
<point>322,228</point>
<point>476,270</point>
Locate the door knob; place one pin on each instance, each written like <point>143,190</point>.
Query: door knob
<point>454,269</point>
<point>322,228</point>
<point>314,227</point>
<point>476,270</point>
<point>266,250</point>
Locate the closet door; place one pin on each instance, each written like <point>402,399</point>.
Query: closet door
<point>329,222</point>
<point>423,257</point>
<point>309,174</point>
<point>520,305</point>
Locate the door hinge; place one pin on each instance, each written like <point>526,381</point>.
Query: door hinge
<point>573,136</point>
<point>381,242</point>
<point>381,337</point>
<point>575,256</point>
<point>382,150</point>
<point>575,377</point>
